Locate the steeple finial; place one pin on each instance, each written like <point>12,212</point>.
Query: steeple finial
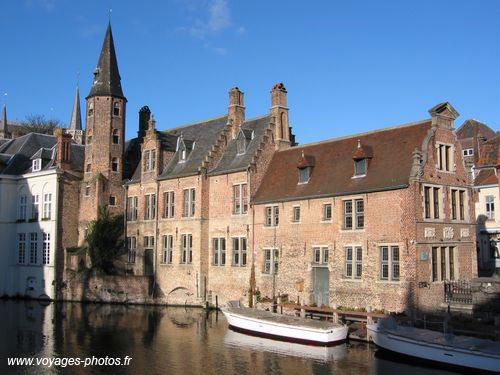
<point>106,75</point>
<point>76,116</point>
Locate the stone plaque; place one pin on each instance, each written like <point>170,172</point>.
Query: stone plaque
<point>429,232</point>
<point>448,233</point>
<point>464,232</point>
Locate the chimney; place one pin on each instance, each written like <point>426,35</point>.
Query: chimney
<point>63,156</point>
<point>236,110</point>
<point>144,115</point>
<point>443,115</point>
<point>279,113</point>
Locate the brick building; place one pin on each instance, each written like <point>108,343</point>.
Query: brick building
<point>229,206</point>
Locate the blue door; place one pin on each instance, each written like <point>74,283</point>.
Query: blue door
<point>321,286</point>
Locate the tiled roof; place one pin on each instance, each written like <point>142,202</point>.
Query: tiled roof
<point>489,152</point>
<point>230,160</point>
<point>389,167</point>
<point>471,128</point>
<point>486,177</point>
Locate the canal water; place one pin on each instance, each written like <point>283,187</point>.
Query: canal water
<point>166,340</point>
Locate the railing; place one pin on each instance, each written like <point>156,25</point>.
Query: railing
<point>457,291</point>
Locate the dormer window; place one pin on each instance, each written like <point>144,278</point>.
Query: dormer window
<point>37,165</point>
<point>150,160</point>
<point>304,175</point>
<point>241,144</point>
<point>183,155</point>
<point>360,167</point>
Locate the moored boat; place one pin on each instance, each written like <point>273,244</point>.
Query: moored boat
<point>463,351</point>
<point>284,327</point>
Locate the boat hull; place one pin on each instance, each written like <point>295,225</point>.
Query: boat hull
<point>433,352</point>
<point>285,332</point>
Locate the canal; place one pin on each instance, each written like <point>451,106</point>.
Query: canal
<point>166,340</point>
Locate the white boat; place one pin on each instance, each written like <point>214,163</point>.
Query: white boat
<point>284,327</point>
<point>284,348</point>
<point>460,351</point>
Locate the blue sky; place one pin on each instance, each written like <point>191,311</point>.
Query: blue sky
<point>348,66</point>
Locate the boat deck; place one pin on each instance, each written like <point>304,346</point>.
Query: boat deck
<point>283,319</point>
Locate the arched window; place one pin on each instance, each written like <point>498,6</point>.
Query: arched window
<point>88,167</point>
<point>116,109</point>
<point>91,109</point>
<point>116,137</point>
<point>114,164</point>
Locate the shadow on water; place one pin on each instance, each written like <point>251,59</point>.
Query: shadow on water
<point>171,340</point>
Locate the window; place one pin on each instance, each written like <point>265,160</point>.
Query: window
<point>87,169</point>
<point>444,157</point>
<point>183,155</point>
<point>149,160</point>
<point>168,208</point>
<point>34,207</point>
<point>91,109</point>
<point>457,196</point>
<point>432,196</point>
<point>443,263</point>
<point>116,109</point>
<point>327,212</point>
<point>239,251</point>
<point>271,261</point>
<point>359,214</point>
<point>304,175</point>
<point>112,200</point>
<point>296,214</point>
<point>389,263</point>
<point>21,240</point>
<point>240,199</point>
<point>189,203</point>
<point>360,167</point>
<point>131,246</point>
<point>87,190</point>
<point>272,216</point>
<point>187,248</point>
<point>150,212</point>
<point>22,207</point>
<point>46,248</point>
<point>114,164</point>
<point>490,206</point>
<point>353,262</point>
<point>37,165</point>
<point>47,206</point>
<point>320,255</point>
<point>89,139</point>
<point>468,152</point>
<point>33,248</point>
<point>149,242</point>
<point>116,136</point>
<point>219,251</point>
<point>132,209</point>
<point>168,249</point>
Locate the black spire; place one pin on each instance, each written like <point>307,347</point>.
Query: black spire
<point>106,75</point>
<point>76,117</point>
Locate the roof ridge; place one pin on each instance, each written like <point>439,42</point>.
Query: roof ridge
<point>191,124</point>
<point>356,135</point>
<point>257,118</point>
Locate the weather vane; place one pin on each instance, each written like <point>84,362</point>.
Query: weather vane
<point>109,15</point>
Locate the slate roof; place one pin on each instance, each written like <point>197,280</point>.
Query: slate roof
<point>471,128</point>
<point>17,154</point>
<point>231,161</point>
<point>332,175</point>
<point>201,135</point>
<point>75,122</point>
<point>107,81</point>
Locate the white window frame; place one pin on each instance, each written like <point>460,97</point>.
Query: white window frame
<point>296,214</point>
<point>46,248</point>
<point>390,263</point>
<point>219,251</point>
<point>272,216</point>
<point>445,157</point>
<point>132,247</point>
<point>468,151</point>
<point>37,165</point>
<point>150,211</point>
<point>490,206</point>
<point>33,248</point>
<point>353,258</point>
<point>186,248</point>
<point>240,199</point>
<point>447,256</point>
<point>189,202</point>
<point>47,206</point>
<point>321,255</point>
<point>168,249</point>
<point>23,204</point>
<point>132,208</point>
<point>21,248</point>
<point>240,254</point>
<point>271,261</point>
<point>325,209</point>
<point>168,204</point>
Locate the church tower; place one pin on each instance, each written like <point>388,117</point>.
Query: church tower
<point>75,124</point>
<point>105,133</point>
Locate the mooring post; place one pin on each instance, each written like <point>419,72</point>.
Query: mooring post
<point>302,311</point>
<point>369,319</point>
<point>335,314</point>
<point>216,302</point>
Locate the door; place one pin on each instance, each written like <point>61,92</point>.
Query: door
<point>148,262</point>
<point>321,286</point>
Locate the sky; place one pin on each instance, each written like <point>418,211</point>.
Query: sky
<point>348,66</point>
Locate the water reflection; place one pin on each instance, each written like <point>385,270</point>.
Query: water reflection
<point>164,340</point>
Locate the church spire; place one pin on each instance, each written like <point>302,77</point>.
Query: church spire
<point>76,116</point>
<point>106,75</point>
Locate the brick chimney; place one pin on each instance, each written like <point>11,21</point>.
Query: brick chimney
<point>279,113</point>
<point>144,115</point>
<point>443,115</point>
<point>63,156</point>
<point>236,110</point>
